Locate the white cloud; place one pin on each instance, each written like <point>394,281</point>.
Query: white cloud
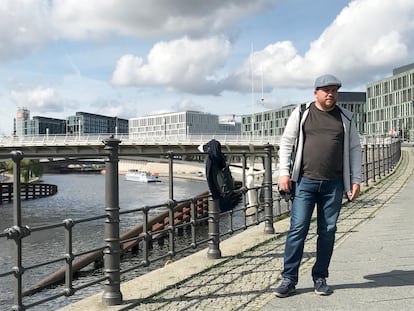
<point>148,18</point>
<point>366,37</point>
<point>185,65</point>
<point>40,99</point>
<point>114,108</point>
<point>186,104</point>
<point>28,24</point>
<point>23,27</point>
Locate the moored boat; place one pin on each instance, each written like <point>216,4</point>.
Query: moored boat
<point>141,176</point>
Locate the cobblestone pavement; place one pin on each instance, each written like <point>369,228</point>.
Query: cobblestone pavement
<point>245,281</point>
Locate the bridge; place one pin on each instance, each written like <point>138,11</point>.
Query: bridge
<point>89,144</point>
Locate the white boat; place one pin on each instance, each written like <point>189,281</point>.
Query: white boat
<point>141,176</point>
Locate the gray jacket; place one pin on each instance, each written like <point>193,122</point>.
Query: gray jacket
<point>351,155</point>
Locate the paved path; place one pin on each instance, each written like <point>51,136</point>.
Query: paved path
<point>372,267</point>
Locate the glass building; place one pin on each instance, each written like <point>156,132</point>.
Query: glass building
<point>273,122</point>
<point>79,124</point>
<point>390,104</point>
<point>24,126</point>
<point>182,124</point>
<point>88,123</point>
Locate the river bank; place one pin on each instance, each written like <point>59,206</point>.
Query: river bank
<point>193,170</point>
<point>181,169</point>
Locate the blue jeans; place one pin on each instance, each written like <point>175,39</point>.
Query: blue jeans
<point>327,195</point>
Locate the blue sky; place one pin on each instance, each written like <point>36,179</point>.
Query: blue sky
<point>131,58</point>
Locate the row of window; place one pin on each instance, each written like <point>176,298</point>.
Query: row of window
<point>391,85</point>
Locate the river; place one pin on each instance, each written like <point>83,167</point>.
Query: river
<point>79,196</point>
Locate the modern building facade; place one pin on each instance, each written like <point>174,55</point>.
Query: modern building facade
<point>181,124</point>
<point>24,125</point>
<point>390,104</point>
<point>273,122</point>
<point>79,124</point>
<point>88,123</point>
<point>44,125</point>
<point>21,126</point>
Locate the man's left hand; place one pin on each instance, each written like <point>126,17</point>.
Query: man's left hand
<point>354,193</point>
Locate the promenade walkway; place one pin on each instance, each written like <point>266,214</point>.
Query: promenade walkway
<point>372,267</point>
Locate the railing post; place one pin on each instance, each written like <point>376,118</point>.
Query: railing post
<point>244,165</point>
<point>171,204</point>
<point>171,174</point>
<point>213,251</point>
<point>112,293</point>
<point>388,158</point>
<point>373,163</point>
<point>68,223</point>
<point>379,160</point>
<point>268,193</point>
<point>15,231</point>
<point>366,164</point>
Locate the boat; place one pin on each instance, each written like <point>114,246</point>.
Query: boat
<point>141,176</point>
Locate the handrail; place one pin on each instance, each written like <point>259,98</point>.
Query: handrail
<point>88,139</point>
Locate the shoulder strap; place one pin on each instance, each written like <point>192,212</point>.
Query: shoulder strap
<point>301,111</point>
<point>344,114</point>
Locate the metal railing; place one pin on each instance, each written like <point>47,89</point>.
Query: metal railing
<point>379,155</point>
<point>378,160</point>
<point>88,139</point>
<point>28,191</point>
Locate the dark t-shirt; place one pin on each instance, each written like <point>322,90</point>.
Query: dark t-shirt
<point>323,147</point>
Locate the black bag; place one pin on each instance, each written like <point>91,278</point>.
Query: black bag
<point>219,178</point>
<point>290,195</point>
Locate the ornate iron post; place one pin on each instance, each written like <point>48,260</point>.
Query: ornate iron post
<point>268,193</point>
<point>17,232</point>
<point>213,251</point>
<point>112,293</point>
<point>171,174</point>
<point>373,163</point>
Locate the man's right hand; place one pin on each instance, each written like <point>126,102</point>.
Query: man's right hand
<point>285,183</point>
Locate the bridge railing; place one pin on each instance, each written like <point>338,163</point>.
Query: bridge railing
<point>190,214</point>
<point>86,139</point>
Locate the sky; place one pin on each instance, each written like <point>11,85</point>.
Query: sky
<point>129,58</point>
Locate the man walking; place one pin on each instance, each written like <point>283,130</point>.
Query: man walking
<point>327,164</point>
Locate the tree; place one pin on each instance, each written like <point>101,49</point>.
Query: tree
<point>29,169</point>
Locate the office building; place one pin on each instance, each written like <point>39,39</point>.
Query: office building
<point>88,123</point>
<point>79,124</point>
<point>21,124</point>
<point>390,104</point>
<point>43,125</point>
<point>24,126</point>
<point>182,124</point>
<point>273,122</point>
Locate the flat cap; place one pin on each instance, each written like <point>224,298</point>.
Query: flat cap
<point>327,80</point>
